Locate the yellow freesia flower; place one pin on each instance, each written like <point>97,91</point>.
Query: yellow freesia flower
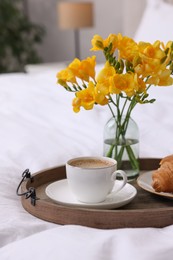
<point>75,67</point>
<point>168,49</point>
<point>142,87</point>
<point>126,83</point>
<point>76,103</point>
<point>65,76</point>
<point>85,98</point>
<point>112,39</point>
<point>83,69</point>
<point>88,66</point>
<point>100,98</point>
<point>128,48</point>
<point>99,43</point>
<point>151,57</point>
<point>162,79</point>
<point>103,78</point>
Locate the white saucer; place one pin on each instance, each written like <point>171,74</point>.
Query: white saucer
<point>145,181</point>
<point>59,192</point>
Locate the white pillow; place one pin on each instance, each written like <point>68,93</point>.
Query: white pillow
<point>156,23</point>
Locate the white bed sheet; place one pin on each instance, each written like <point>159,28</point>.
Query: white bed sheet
<point>39,130</point>
<point>76,242</point>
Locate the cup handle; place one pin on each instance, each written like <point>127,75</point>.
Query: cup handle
<point>123,182</point>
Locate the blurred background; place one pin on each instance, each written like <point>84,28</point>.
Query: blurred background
<point>31,30</point>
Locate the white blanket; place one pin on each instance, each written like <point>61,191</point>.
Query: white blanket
<point>76,242</point>
<point>39,130</point>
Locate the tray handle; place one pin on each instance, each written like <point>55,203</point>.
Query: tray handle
<point>31,192</point>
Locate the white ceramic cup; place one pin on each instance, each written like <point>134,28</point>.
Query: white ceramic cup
<point>91,179</point>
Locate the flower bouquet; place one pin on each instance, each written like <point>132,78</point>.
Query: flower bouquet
<point>130,69</point>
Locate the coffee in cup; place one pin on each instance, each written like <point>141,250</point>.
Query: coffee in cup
<point>91,163</point>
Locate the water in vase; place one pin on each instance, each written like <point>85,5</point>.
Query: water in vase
<point>125,162</point>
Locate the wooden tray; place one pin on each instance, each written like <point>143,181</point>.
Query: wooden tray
<point>146,210</point>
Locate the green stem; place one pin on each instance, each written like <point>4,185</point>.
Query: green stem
<point>111,110</point>
<point>119,157</point>
<point>110,152</point>
<point>124,106</point>
<point>133,160</point>
<point>121,128</point>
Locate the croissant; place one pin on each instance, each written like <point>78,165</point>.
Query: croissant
<point>163,176</point>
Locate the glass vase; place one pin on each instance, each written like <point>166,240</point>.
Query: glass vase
<point>121,142</point>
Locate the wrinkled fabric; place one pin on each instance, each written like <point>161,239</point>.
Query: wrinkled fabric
<point>76,242</point>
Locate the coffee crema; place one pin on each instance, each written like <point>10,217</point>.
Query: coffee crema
<point>91,163</point>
